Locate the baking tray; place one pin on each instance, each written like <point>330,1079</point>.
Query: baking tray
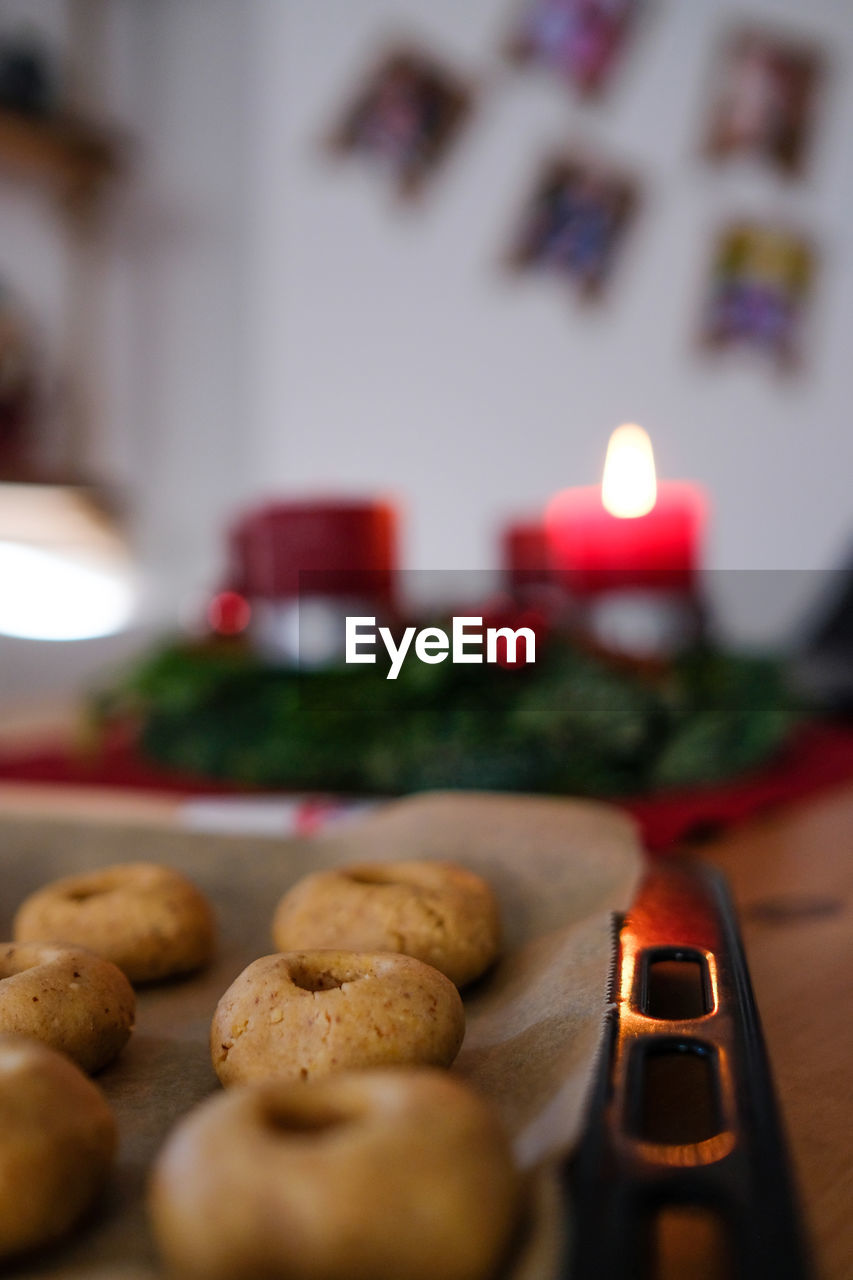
<point>682,1170</point>
<point>619,1184</point>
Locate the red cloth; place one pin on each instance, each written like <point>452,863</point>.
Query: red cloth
<point>819,756</point>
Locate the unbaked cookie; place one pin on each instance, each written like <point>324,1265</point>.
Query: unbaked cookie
<point>68,998</point>
<point>307,1013</point>
<point>149,920</point>
<point>57,1142</point>
<point>438,912</point>
<point>386,1174</point>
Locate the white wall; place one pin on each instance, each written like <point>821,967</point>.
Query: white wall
<point>391,353</point>
<point>179,79</point>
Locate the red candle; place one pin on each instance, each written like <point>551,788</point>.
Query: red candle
<point>527,556</point>
<point>298,568</point>
<point>345,546</point>
<point>632,532</point>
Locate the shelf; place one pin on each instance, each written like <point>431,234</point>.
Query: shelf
<point>66,152</point>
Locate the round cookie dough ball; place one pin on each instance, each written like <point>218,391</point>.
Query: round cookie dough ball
<point>387,1174</point>
<point>307,1013</point>
<point>57,1142</point>
<point>149,920</point>
<point>438,912</point>
<point>68,998</point>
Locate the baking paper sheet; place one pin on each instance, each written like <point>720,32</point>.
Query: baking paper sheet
<point>560,868</point>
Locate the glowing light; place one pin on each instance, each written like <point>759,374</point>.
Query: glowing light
<point>50,595</point>
<point>629,487</point>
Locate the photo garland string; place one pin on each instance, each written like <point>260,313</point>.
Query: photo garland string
<point>412,110</point>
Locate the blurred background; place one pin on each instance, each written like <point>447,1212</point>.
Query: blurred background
<point>429,251</point>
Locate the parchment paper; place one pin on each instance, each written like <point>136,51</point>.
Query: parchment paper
<point>560,868</point>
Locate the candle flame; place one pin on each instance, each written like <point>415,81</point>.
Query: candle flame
<point>629,487</point>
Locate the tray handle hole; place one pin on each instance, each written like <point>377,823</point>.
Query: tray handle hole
<point>676,1092</point>
<point>689,1240</point>
<point>676,986</point>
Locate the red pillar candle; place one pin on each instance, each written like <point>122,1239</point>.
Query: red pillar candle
<point>297,569</point>
<point>632,533</point>
<point>526,556</point>
<point>339,547</point>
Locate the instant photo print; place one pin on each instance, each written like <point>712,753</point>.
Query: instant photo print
<point>761,278</point>
<point>405,118</point>
<point>574,223</point>
<point>579,40</point>
<point>765,105</point>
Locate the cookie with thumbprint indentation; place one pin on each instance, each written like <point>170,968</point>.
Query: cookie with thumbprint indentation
<point>57,1142</point>
<point>395,1175</point>
<point>149,920</point>
<point>435,911</point>
<point>67,998</point>
<point>305,1014</point>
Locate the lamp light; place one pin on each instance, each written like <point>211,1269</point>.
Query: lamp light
<point>65,573</point>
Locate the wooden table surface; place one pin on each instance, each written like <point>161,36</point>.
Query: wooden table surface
<point>792,879</point>
<point>791,874</point>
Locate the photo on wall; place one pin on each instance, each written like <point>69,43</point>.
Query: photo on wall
<point>765,105</point>
<point>761,280</point>
<point>405,118</point>
<point>574,223</point>
<point>580,40</point>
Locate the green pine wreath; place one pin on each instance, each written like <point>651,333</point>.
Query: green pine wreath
<point>572,723</point>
